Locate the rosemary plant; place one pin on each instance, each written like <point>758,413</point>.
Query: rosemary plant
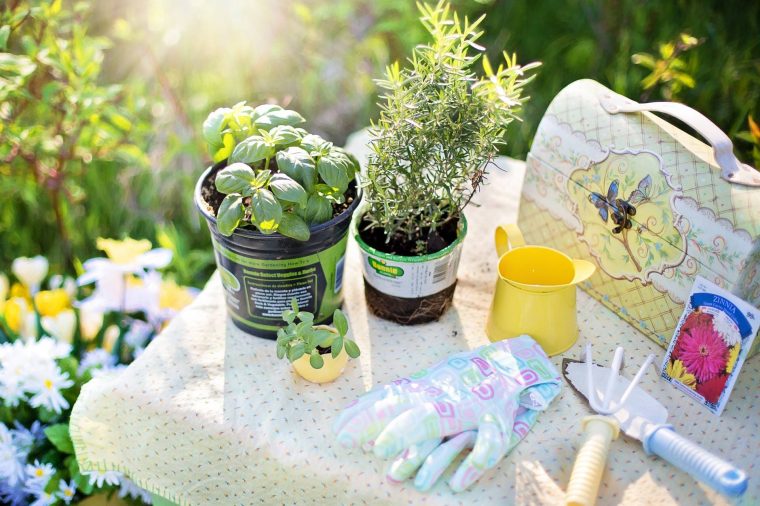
<point>440,127</point>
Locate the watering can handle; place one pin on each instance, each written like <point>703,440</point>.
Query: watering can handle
<point>507,237</point>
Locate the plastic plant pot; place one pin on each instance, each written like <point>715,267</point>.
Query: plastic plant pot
<point>411,289</point>
<point>262,273</point>
<point>331,369</point>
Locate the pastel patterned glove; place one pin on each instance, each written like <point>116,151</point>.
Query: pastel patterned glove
<point>491,394</point>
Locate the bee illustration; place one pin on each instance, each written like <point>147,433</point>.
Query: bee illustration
<point>610,206</point>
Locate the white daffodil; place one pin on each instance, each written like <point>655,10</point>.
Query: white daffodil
<point>61,326</point>
<point>30,271</point>
<point>99,478</point>
<point>46,385</point>
<point>11,458</point>
<point>66,491</point>
<point>38,475</point>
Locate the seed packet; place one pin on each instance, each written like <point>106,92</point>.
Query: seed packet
<point>710,344</point>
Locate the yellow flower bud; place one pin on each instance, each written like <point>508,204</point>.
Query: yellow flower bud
<point>51,302</point>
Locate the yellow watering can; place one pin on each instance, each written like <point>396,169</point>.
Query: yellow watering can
<point>535,292</point>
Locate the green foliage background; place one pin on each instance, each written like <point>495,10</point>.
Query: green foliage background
<point>162,65</point>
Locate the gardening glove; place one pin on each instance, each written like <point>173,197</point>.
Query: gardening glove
<point>482,391</point>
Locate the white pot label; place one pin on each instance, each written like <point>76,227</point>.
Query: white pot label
<point>418,277</point>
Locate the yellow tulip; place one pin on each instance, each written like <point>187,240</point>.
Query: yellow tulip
<point>51,302</point>
<point>15,313</point>
<point>21,291</point>
<point>123,252</point>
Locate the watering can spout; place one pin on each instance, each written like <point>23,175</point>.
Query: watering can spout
<point>583,270</point>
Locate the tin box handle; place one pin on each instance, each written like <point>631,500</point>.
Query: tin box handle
<point>731,169</point>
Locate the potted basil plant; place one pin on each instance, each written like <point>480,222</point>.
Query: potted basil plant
<point>439,129</point>
<point>278,202</point>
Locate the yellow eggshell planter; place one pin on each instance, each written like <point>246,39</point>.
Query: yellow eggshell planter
<point>327,373</point>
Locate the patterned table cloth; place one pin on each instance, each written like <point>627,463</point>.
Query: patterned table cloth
<point>207,415</point>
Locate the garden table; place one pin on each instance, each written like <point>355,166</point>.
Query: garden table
<point>207,415</point>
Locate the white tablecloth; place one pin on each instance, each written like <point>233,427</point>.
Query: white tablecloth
<point>209,416</point>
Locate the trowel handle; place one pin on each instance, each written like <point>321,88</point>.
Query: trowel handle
<point>702,465</point>
<point>598,433</point>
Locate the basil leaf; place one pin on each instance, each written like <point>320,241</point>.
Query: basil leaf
<point>315,145</point>
<point>293,226</point>
<point>296,163</point>
<point>333,172</point>
<point>263,110</point>
<point>230,213</point>
<point>266,212</point>
<point>213,127</point>
<point>284,135</point>
<point>228,142</point>
<point>234,178</point>
<point>318,210</point>
<point>286,188</point>
<point>252,150</point>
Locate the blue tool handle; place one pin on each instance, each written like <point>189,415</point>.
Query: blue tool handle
<point>702,465</point>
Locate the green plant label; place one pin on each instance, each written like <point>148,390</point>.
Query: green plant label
<point>411,277</point>
<point>384,269</point>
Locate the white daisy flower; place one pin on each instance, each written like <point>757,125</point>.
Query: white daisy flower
<point>38,476</point>
<point>66,491</point>
<point>51,348</point>
<point>12,389</point>
<point>44,499</point>
<point>129,488</point>
<point>98,478</point>
<point>99,358</point>
<point>46,385</point>
<point>11,458</point>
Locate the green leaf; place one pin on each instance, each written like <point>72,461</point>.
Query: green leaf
<point>306,317</point>
<point>284,135</point>
<point>352,348</point>
<point>333,173</point>
<point>277,117</point>
<point>262,178</point>
<point>340,322</point>
<point>324,337</point>
<point>281,349</point>
<point>263,109</point>
<point>213,127</point>
<point>234,178</point>
<point>318,210</point>
<point>315,145</point>
<point>289,316</point>
<point>293,226</point>
<point>228,143</point>
<point>5,32</point>
<point>252,150</point>
<point>296,163</point>
<point>316,360</point>
<point>230,213</point>
<point>336,347</point>
<point>286,188</point>
<point>296,351</point>
<point>266,211</point>
<point>294,304</point>
<point>59,435</point>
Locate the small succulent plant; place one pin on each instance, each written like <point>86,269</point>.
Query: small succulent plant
<point>301,337</point>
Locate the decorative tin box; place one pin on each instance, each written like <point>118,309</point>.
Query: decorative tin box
<point>651,205</point>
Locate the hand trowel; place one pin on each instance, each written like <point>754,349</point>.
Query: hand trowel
<point>642,417</point>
